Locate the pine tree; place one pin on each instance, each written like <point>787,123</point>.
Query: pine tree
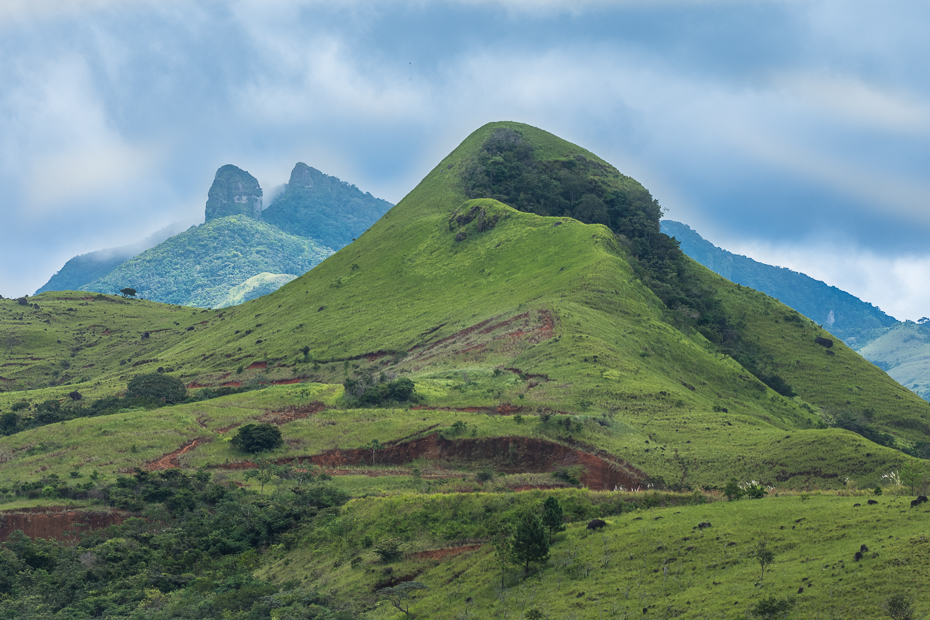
<point>530,542</point>
<point>553,516</point>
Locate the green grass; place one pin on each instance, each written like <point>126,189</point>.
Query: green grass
<point>651,558</point>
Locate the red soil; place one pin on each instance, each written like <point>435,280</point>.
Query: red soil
<point>257,365</point>
<point>55,522</point>
<point>170,460</point>
<point>508,454</point>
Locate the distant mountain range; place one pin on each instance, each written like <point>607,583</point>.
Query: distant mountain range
<point>241,251</point>
<point>902,349</point>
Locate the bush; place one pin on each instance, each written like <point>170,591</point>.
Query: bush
<point>157,387</point>
<point>254,438</point>
<point>388,549</point>
<point>366,391</point>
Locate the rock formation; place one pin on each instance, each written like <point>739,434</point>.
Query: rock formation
<point>234,192</point>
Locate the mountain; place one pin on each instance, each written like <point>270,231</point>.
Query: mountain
<point>322,213</point>
<point>516,329</point>
<point>902,349</point>
<point>842,314</point>
<point>86,268</point>
<point>202,265</point>
<point>323,208</point>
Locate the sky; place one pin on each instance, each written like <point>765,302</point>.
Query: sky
<point>794,132</point>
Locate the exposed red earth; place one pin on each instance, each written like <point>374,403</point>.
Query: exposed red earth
<point>170,460</point>
<point>56,522</point>
<point>507,454</point>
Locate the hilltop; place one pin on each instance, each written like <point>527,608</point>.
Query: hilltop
<point>550,337</point>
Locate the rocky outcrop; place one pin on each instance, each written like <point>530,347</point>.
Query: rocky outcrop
<point>234,192</point>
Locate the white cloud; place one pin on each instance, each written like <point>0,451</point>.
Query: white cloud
<point>897,284</point>
<point>59,142</point>
<point>863,104</point>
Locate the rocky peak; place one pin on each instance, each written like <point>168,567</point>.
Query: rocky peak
<point>234,192</point>
<point>302,176</point>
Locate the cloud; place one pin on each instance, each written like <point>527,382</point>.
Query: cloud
<point>862,104</point>
<point>895,284</point>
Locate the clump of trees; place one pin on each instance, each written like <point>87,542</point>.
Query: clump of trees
<point>253,438</point>
<point>157,387</point>
<point>366,391</point>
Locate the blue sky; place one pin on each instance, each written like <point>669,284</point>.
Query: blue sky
<point>795,132</point>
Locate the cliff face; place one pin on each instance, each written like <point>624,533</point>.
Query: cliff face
<point>234,192</point>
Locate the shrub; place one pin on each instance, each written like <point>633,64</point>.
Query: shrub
<point>388,549</point>
<point>254,438</point>
<point>159,387</point>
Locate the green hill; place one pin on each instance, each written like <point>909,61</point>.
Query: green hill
<point>545,353</point>
<point>202,265</point>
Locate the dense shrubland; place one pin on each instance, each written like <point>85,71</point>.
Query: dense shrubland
<point>191,555</point>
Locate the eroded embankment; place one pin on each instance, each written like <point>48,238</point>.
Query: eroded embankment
<point>56,522</point>
<point>505,454</point>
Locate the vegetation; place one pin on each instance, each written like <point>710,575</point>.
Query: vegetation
<point>227,251</point>
<point>254,438</point>
<point>452,298</point>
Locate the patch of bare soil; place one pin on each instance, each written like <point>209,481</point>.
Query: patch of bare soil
<point>170,460</point>
<point>506,454</point>
<point>291,413</point>
<point>528,328</point>
<point>56,522</point>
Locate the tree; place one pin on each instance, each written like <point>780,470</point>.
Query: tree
<point>772,608</point>
<point>128,292</point>
<point>157,386</point>
<point>265,471</point>
<point>915,476</point>
<point>501,544</point>
<point>374,445</point>
<point>898,607</point>
<point>764,556</point>
<point>254,438</point>
<point>530,542</point>
<point>732,490</point>
<point>553,516</point>
<point>399,595</point>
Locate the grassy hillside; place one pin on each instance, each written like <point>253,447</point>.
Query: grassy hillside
<point>545,353</point>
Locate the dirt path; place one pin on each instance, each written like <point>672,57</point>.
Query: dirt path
<point>170,460</point>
